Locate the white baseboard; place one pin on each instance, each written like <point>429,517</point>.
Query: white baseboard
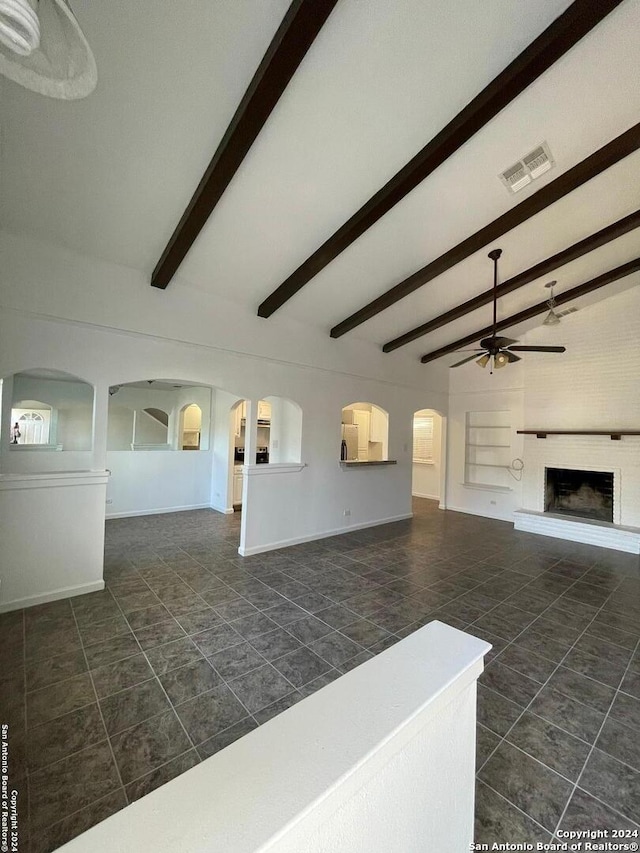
<point>55,595</point>
<point>225,510</point>
<point>428,497</point>
<point>160,511</point>
<point>483,514</point>
<point>298,540</point>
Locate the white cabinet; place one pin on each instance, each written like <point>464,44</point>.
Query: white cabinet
<point>264,410</point>
<point>378,429</point>
<point>362,420</point>
<point>237,485</point>
<point>240,416</point>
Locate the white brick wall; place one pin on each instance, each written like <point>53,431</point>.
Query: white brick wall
<point>594,385</point>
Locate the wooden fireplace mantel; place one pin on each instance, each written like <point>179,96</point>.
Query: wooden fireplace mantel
<point>615,434</point>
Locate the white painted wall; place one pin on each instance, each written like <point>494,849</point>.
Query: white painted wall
<point>380,760</point>
<point>472,389</point>
<point>148,430</point>
<point>425,481</point>
<point>145,482</point>
<point>247,358</point>
<point>52,534</point>
<point>285,434</point>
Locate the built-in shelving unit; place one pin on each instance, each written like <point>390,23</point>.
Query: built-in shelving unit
<point>614,434</point>
<point>488,449</point>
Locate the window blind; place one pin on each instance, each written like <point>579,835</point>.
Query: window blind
<point>423,438</point>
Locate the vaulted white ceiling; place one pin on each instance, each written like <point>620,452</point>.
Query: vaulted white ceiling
<point>110,176</point>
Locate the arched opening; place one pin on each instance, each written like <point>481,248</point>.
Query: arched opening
<point>364,433</point>
<point>190,427</point>
<point>427,455</point>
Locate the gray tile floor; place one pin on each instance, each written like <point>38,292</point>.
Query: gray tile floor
<point>190,646</point>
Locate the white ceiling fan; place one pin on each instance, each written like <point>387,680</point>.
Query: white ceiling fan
<point>43,49</point>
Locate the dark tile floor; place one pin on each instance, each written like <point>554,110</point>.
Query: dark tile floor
<point>189,647</point>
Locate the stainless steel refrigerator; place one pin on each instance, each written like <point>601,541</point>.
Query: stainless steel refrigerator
<point>350,436</point>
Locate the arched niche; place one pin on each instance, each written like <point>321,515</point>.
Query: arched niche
<point>53,409</point>
<point>284,433</point>
<point>190,427</point>
<point>364,433</point>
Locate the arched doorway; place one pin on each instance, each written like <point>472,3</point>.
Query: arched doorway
<point>429,456</point>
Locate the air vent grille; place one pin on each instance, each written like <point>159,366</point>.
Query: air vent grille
<point>532,165</point>
<point>566,311</point>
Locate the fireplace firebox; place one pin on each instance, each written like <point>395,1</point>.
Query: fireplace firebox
<point>583,494</point>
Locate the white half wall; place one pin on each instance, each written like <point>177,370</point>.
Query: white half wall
<point>52,534</point>
<point>381,760</point>
<point>150,481</point>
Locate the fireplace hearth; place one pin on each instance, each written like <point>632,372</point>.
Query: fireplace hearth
<point>581,494</point>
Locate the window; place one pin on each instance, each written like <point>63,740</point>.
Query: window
<point>423,439</point>
<point>32,426</point>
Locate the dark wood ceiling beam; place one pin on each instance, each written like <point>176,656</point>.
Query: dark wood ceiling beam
<point>295,35</point>
<point>568,296</point>
<point>574,23</point>
<point>584,171</point>
<point>593,241</point>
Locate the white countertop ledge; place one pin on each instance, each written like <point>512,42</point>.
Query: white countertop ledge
<point>296,770</point>
<point>273,468</point>
<point>46,479</point>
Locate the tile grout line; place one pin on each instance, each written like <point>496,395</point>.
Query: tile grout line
<point>171,706</point>
<point>95,693</point>
<point>514,806</point>
<point>593,746</point>
<point>558,665</point>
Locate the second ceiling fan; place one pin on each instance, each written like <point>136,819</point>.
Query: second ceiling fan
<point>497,350</point>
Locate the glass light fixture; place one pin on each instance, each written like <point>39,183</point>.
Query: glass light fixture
<point>500,360</point>
<point>43,49</point>
<point>552,318</point>
<point>483,360</point>
<point>19,26</point>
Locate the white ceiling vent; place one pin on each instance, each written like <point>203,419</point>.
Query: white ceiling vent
<point>566,311</point>
<point>532,165</point>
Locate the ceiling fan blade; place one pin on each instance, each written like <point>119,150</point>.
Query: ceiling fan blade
<point>464,360</point>
<point>538,349</point>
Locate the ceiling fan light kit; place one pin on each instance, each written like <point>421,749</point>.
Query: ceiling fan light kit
<point>500,351</point>
<point>43,49</point>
